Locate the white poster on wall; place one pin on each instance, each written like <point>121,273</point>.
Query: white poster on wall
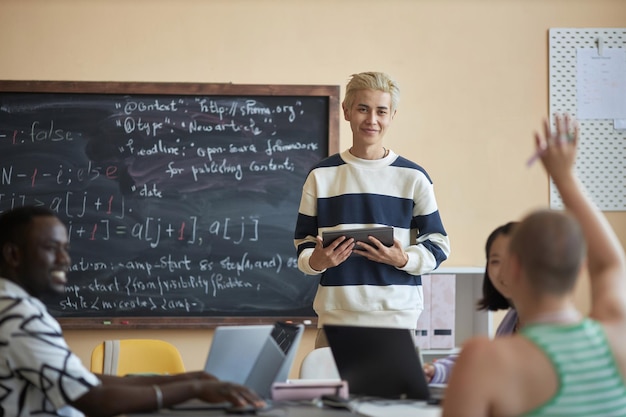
<point>601,83</point>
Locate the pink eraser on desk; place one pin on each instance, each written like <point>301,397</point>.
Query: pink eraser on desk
<point>308,389</point>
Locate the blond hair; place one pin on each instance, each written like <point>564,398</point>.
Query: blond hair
<point>372,81</point>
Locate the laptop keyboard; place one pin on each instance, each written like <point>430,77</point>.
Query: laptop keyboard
<point>284,335</point>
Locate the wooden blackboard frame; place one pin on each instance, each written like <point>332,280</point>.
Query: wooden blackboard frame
<point>330,92</point>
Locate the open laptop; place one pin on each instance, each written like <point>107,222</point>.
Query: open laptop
<point>255,356</point>
<point>378,362</point>
<point>252,355</point>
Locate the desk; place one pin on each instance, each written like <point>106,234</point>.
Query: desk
<point>370,409</point>
<point>384,408</point>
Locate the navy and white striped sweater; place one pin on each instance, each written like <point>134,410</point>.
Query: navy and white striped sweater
<point>342,192</point>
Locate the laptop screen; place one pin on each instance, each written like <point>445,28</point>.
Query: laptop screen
<point>378,361</point>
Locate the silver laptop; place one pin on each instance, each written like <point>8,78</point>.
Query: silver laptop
<point>252,355</point>
<point>255,355</point>
<point>378,362</point>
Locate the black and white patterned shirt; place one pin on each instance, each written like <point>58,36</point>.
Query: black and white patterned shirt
<point>39,374</point>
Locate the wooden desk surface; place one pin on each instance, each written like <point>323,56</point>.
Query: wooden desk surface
<point>379,409</point>
<point>277,411</point>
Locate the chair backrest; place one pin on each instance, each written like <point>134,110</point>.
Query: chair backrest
<point>136,356</point>
<point>319,364</point>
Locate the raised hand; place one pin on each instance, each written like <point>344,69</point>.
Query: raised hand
<point>557,149</point>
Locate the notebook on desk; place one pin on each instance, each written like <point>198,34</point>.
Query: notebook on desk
<point>378,362</point>
<point>255,356</point>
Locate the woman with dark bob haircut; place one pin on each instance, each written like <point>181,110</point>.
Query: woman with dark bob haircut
<point>494,298</point>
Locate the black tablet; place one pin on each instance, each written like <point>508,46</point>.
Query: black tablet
<point>382,233</point>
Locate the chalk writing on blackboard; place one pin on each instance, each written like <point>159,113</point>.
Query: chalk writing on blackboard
<point>177,204</point>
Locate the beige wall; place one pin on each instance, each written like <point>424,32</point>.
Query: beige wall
<point>474,78</point>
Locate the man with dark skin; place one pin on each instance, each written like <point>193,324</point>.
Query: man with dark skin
<point>39,375</point>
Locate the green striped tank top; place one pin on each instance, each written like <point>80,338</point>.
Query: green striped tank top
<point>590,383</point>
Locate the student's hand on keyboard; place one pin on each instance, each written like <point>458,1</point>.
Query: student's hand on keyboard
<point>429,371</point>
<point>238,395</point>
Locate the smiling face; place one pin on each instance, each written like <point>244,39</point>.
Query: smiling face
<point>369,116</point>
<point>41,258</point>
<point>496,257</point>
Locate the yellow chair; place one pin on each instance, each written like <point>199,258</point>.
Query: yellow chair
<point>136,356</point>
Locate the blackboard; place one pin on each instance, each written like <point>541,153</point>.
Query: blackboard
<point>180,199</point>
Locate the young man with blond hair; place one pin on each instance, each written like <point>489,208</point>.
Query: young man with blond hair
<point>369,185</point>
